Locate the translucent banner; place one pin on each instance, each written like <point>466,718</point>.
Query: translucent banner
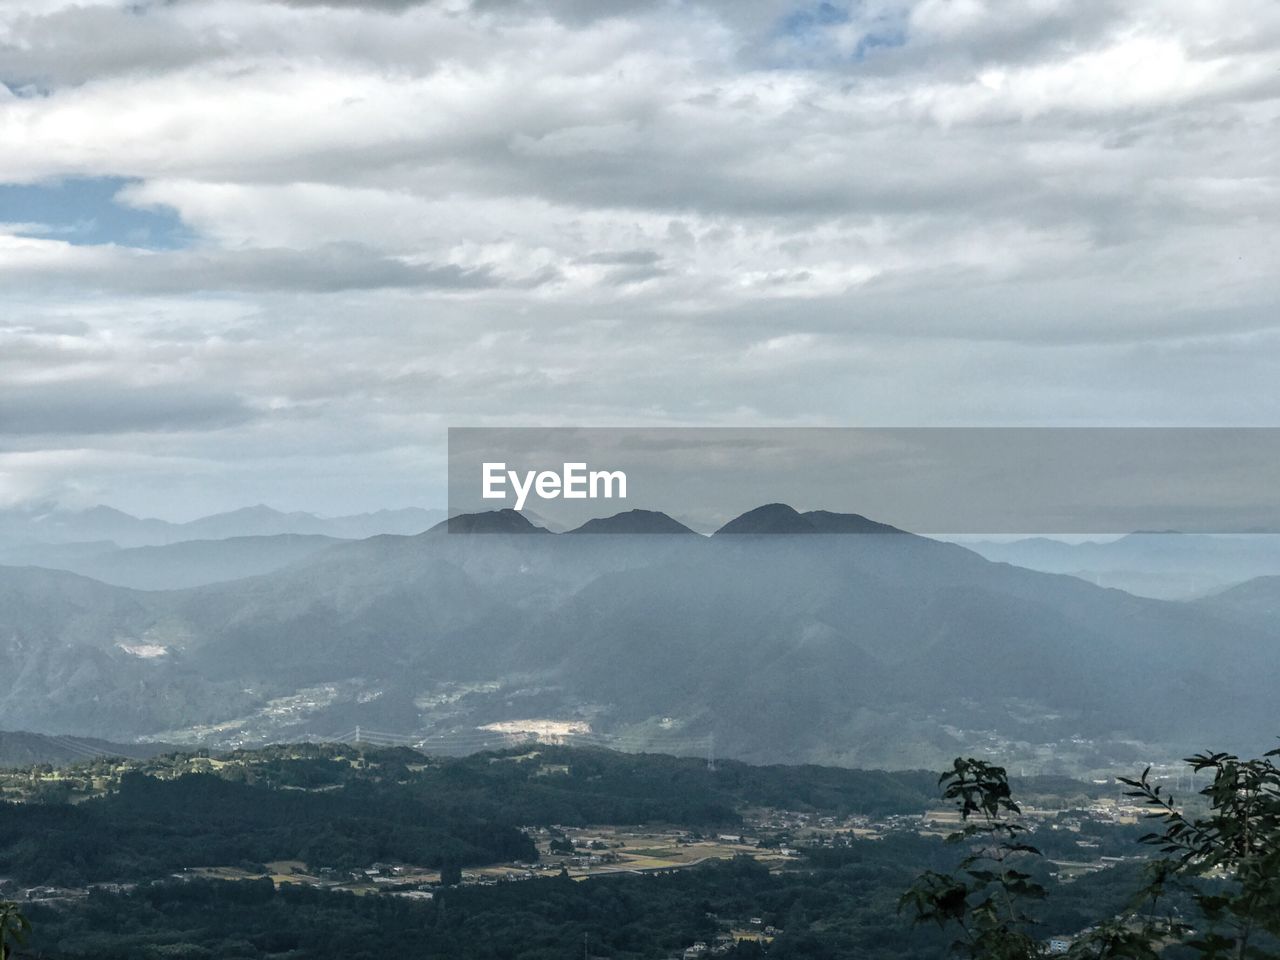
<point>943,481</point>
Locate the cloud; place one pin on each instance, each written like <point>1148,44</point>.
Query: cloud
<point>362,5</point>
<point>369,220</point>
<point>628,258</point>
<point>327,269</point>
<point>96,407</point>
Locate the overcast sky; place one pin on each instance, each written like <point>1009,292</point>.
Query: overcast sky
<point>269,251</point>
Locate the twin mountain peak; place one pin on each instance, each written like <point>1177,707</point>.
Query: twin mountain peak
<point>772,518</point>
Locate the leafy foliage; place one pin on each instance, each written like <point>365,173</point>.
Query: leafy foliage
<point>985,896</point>
<point>1225,864</point>
<point>1228,860</point>
<point>14,928</point>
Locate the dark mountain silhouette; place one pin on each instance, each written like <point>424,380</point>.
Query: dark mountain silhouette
<point>824,521</point>
<point>633,521</point>
<point>772,518</point>
<point>779,518</point>
<point>492,521</point>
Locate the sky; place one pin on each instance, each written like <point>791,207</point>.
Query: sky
<point>268,252</point>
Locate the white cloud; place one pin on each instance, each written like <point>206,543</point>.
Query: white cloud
<point>406,214</point>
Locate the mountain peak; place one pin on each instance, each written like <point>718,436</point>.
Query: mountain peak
<point>633,521</point>
<point>771,518</point>
<point>257,511</point>
<point>775,518</point>
<point>490,521</point>
<point>102,511</point>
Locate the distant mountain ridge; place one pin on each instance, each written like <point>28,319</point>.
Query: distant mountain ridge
<point>771,519</point>
<point>194,563</point>
<point>149,554</point>
<point>1255,601</point>
<point>859,650</point>
<point>1164,565</point>
<point>50,524</point>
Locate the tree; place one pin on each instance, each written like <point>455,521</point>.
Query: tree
<point>14,928</point>
<point>450,873</point>
<point>1227,862</point>
<point>987,895</point>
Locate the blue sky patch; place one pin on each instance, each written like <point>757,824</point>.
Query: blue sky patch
<point>807,31</point>
<point>805,23</point>
<point>84,211</point>
<point>888,34</point>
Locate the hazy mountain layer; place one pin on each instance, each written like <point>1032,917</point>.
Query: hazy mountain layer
<point>1167,566</point>
<point>1255,602</point>
<point>872,650</point>
<point>22,527</point>
<point>192,563</point>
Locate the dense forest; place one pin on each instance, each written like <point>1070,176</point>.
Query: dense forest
<point>844,910</point>
<point>572,785</point>
<point>153,827</point>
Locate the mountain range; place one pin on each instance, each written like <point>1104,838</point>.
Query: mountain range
<point>147,554</point>
<point>768,641</point>
<point>1168,565</point>
<point>35,524</point>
